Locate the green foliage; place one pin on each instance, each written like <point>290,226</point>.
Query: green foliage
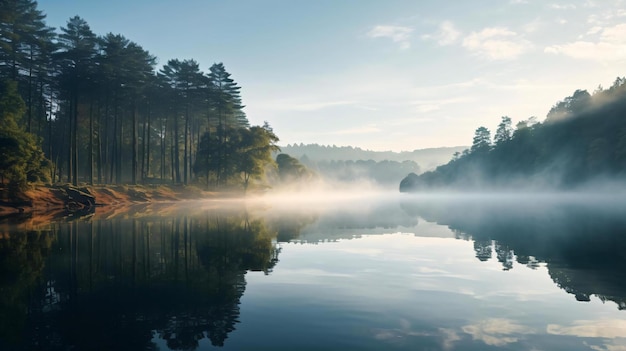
<point>22,159</point>
<point>100,107</point>
<point>238,155</point>
<point>290,169</point>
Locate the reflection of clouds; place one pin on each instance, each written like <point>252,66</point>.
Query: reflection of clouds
<point>313,273</point>
<point>399,335</point>
<point>496,331</point>
<point>614,346</point>
<point>608,328</point>
<point>449,338</point>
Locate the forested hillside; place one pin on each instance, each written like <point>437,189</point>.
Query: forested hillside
<point>102,111</point>
<point>345,164</point>
<point>583,138</point>
<point>427,159</point>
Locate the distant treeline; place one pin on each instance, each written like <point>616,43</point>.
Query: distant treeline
<point>102,112</point>
<point>382,172</point>
<point>426,158</point>
<point>582,138</point>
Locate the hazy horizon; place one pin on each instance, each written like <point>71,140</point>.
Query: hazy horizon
<point>393,76</point>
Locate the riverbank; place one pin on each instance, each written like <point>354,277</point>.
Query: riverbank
<point>64,200</point>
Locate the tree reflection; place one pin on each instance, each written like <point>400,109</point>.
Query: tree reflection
<point>123,284</point>
<point>22,257</point>
<point>582,243</point>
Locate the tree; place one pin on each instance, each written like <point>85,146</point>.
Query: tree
<point>482,140</point>
<point>225,101</point>
<point>206,160</point>
<point>257,146</point>
<point>570,106</point>
<point>290,169</point>
<point>504,131</point>
<point>78,44</point>
<point>22,158</point>
<point>20,25</point>
<point>187,83</point>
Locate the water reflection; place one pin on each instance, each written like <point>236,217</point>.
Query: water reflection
<point>175,278</point>
<point>124,283</point>
<point>581,241</point>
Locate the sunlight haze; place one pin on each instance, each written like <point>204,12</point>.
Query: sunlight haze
<point>381,75</point>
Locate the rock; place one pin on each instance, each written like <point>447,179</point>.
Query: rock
<point>77,196</point>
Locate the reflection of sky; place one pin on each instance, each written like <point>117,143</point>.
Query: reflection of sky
<point>402,291</point>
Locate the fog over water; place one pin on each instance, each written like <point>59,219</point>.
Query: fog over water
<point>334,270</point>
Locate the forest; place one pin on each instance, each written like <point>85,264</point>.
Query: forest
<point>79,107</point>
<point>582,139</point>
<point>427,159</point>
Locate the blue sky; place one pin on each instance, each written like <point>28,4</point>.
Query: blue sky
<point>381,75</point>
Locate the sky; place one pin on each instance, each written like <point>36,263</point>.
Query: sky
<point>380,74</point>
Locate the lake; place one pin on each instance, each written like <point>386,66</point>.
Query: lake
<point>392,272</point>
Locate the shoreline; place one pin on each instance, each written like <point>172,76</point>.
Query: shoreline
<point>50,202</point>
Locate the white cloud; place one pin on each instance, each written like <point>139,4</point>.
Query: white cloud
<point>610,45</point>
<point>446,35</point>
<point>589,4</point>
<point>534,26</point>
<point>594,30</point>
<point>398,34</point>
<point>372,128</point>
<point>424,106</point>
<point>518,2</point>
<point>303,106</point>
<point>563,6</point>
<point>607,16</point>
<point>561,21</point>
<point>496,43</point>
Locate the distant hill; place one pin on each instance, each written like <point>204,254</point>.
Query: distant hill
<point>427,159</point>
<point>583,138</point>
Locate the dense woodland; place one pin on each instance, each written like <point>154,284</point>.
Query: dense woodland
<point>101,111</point>
<point>583,138</point>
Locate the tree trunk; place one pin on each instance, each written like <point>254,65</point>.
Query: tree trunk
<point>176,151</point>
<point>134,140</point>
<point>75,143</point>
<point>91,143</point>
<point>186,149</point>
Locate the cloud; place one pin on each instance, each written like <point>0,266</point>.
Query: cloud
<point>446,35</point>
<point>610,45</point>
<point>496,43</point>
<point>594,30</point>
<point>518,2</point>
<point>563,6</point>
<point>305,106</point>
<point>424,106</point>
<point>398,34</point>
<point>534,26</point>
<point>372,128</point>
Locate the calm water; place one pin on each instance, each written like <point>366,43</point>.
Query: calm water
<point>394,273</point>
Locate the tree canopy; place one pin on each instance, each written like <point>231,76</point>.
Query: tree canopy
<point>582,138</point>
<point>106,114</point>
